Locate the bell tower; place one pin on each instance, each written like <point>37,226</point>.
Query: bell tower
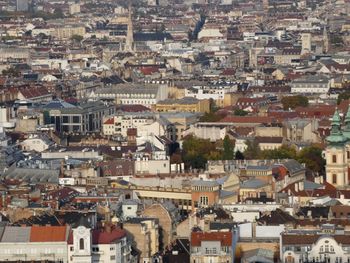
<point>336,155</point>
<point>81,249</point>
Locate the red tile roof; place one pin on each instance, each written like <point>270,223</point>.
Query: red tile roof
<point>109,121</point>
<point>48,234</point>
<point>225,238</point>
<point>103,237</point>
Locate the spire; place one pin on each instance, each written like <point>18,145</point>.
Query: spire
<point>129,42</point>
<point>336,136</point>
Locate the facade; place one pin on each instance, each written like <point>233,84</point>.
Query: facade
<point>303,246</point>
<point>37,143</point>
<point>44,243</point>
<point>311,85</point>
<point>84,118</point>
<point>212,247</point>
<point>337,153</point>
<point>66,32</point>
<point>107,245</point>
<point>145,235</point>
<point>131,94</point>
<point>187,104</point>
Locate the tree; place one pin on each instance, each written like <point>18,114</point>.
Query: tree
<point>11,72</point>
<point>291,102</point>
<point>312,157</point>
<point>77,38</point>
<point>228,149</point>
<point>212,116</point>
<point>239,112</point>
<point>343,96</point>
<point>196,152</point>
<point>252,151</point>
<point>285,152</point>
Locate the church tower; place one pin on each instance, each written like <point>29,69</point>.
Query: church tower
<point>80,251</point>
<point>336,154</point>
<point>129,42</point>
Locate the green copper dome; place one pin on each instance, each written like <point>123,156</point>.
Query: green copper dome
<point>336,136</point>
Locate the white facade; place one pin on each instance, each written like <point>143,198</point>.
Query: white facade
<point>325,248</point>
<point>36,144</point>
<point>33,251</point>
<point>146,166</point>
<point>84,250</point>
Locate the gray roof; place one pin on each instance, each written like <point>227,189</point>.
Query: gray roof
<point>32,175</point>
<point>253,183</point>
<point>14,234</point>
<point>293,166</point>
<point>128,88</point>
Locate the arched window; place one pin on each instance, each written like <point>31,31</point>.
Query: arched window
<point>81,244</point>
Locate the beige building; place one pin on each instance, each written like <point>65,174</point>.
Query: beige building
<point>144,233</point>
<point>182,105</point>
<point>67,32</point>
<point>166,214</point>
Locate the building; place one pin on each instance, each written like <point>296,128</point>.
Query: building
<point>187,104</point>
<point>131,94</point>
<point>67,31</point>
<point>317,84</point>
<point>99,245</point>
<point>22,5</point>
<point>212,246</point>
<point>305,43</point>
<point>337,153</point>
<point>167,215</point>
<point>44,243</point>
<point>144,233</point>
<point>84,118</point>
<point>315,246</point>
<point>37,143</point>
<point>74,8</point>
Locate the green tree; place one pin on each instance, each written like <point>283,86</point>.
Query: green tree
<point>312,157</point>
<point>77,38</point>
<point>343,96</point>
<point>252,151</point>
<point>196,152</point>
<point>291,102</point>
<point>228,149</point>
<point>11,72</point>
<point>212,116</point>
<point>239,112</point>
<point>284,152</point>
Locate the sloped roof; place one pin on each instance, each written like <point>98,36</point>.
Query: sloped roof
<point>13,234</point>
<point>48,233</point>
<point>225,238</point>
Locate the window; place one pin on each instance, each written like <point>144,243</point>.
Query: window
<point>334,158</point>
<point>81,244</point>
<point>112,257</point>
<point>334,179</point>
<point>76,119</point>
<point>71,248</point>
